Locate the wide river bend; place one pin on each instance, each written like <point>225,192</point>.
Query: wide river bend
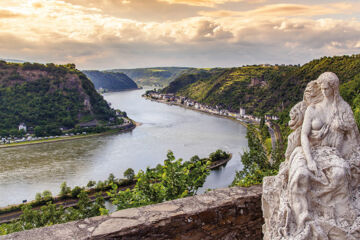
<point>26,170</point>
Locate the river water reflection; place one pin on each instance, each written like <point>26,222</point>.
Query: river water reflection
<point>24,171</point>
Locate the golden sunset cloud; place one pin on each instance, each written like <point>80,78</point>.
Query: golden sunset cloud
<point>208,3</point>
<point>287,10</point>
<point>93,37</point>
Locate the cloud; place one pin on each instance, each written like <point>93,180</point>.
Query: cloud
<point>208,3</point>
<point>64,31</point>
<point>283,10</point>
<point>4,13</point>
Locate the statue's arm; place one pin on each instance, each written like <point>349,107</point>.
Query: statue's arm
<point>305,143</point>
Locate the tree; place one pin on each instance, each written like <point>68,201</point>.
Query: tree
<point>218,155</point>
<point>39,131</point>
<point>91,184</point>
<point>64,189</point>
<point>47,195</point>
<point>256,164</point>
<point>129,174</point>
<point>100,185</point>
<point>14,133</point>
<point>38,197</point>
<point>111,178</point>
<point>68,122</point>
<point>75,192</point>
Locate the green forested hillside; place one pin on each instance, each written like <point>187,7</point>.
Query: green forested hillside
<point>231,87</point>
<point>276,88</point>
<point>158,76</point>
<point>47,95</point>
<point>110,80</point>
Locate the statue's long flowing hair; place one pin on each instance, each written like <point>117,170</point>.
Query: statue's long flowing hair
<point>342,117</point>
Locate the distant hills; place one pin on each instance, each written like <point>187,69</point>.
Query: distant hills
<point>157,76</point>
<point>265,89</point>
<point>112,81</point>
<point>48,95</point>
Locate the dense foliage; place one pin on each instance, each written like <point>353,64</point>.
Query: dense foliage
<point>51,214</point>
<point>257,161</point>
<point>265,89</point>
<point>47,96</point>
<point>158,76</point>
<point>112,81</point>
<point>231,88</point>
<point>175,179</point>
<point>218,155</point>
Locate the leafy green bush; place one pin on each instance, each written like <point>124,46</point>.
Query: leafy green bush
<point>218,155</point>
<point>51,214</point>
<point>174,179</point>
<point>76,191</point>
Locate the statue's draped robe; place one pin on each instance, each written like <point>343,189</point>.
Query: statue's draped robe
<point>332,192</point>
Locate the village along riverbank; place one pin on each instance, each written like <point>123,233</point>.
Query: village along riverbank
<point>128,125</point>
<point>185,102</point>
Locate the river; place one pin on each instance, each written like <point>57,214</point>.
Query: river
<point>26,170</point>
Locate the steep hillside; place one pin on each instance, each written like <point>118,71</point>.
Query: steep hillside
<point>48,95</point>
<point>159,76</point>
<point>265,89</point>
<point>110,80</point>
<point>248,87</point>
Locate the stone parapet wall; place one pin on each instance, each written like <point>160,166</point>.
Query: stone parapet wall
<point>229,213</point>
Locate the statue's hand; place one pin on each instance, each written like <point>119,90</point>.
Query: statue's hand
<point>312,166</point>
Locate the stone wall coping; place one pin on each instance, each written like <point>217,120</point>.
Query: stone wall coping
<point>129,221</point>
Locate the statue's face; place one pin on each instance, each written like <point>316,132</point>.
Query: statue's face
<point>326,89</point>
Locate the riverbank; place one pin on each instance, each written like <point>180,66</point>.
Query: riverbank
<point>244,122</point>
<point>124,128</point>
<point>13,212</point>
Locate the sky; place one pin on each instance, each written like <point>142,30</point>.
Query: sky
<point>108,34</point>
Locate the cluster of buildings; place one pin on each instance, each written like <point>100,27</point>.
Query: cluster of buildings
<point>178,100</point>
<point>28,138</point>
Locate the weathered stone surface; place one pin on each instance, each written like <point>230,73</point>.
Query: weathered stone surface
<point>113,225</point>
<point>316,193</point>
<point>167,207</point>
<point>126,213</point>
<point>229,213</point>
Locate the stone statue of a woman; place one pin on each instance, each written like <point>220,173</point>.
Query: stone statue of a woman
<point>316,195</point>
